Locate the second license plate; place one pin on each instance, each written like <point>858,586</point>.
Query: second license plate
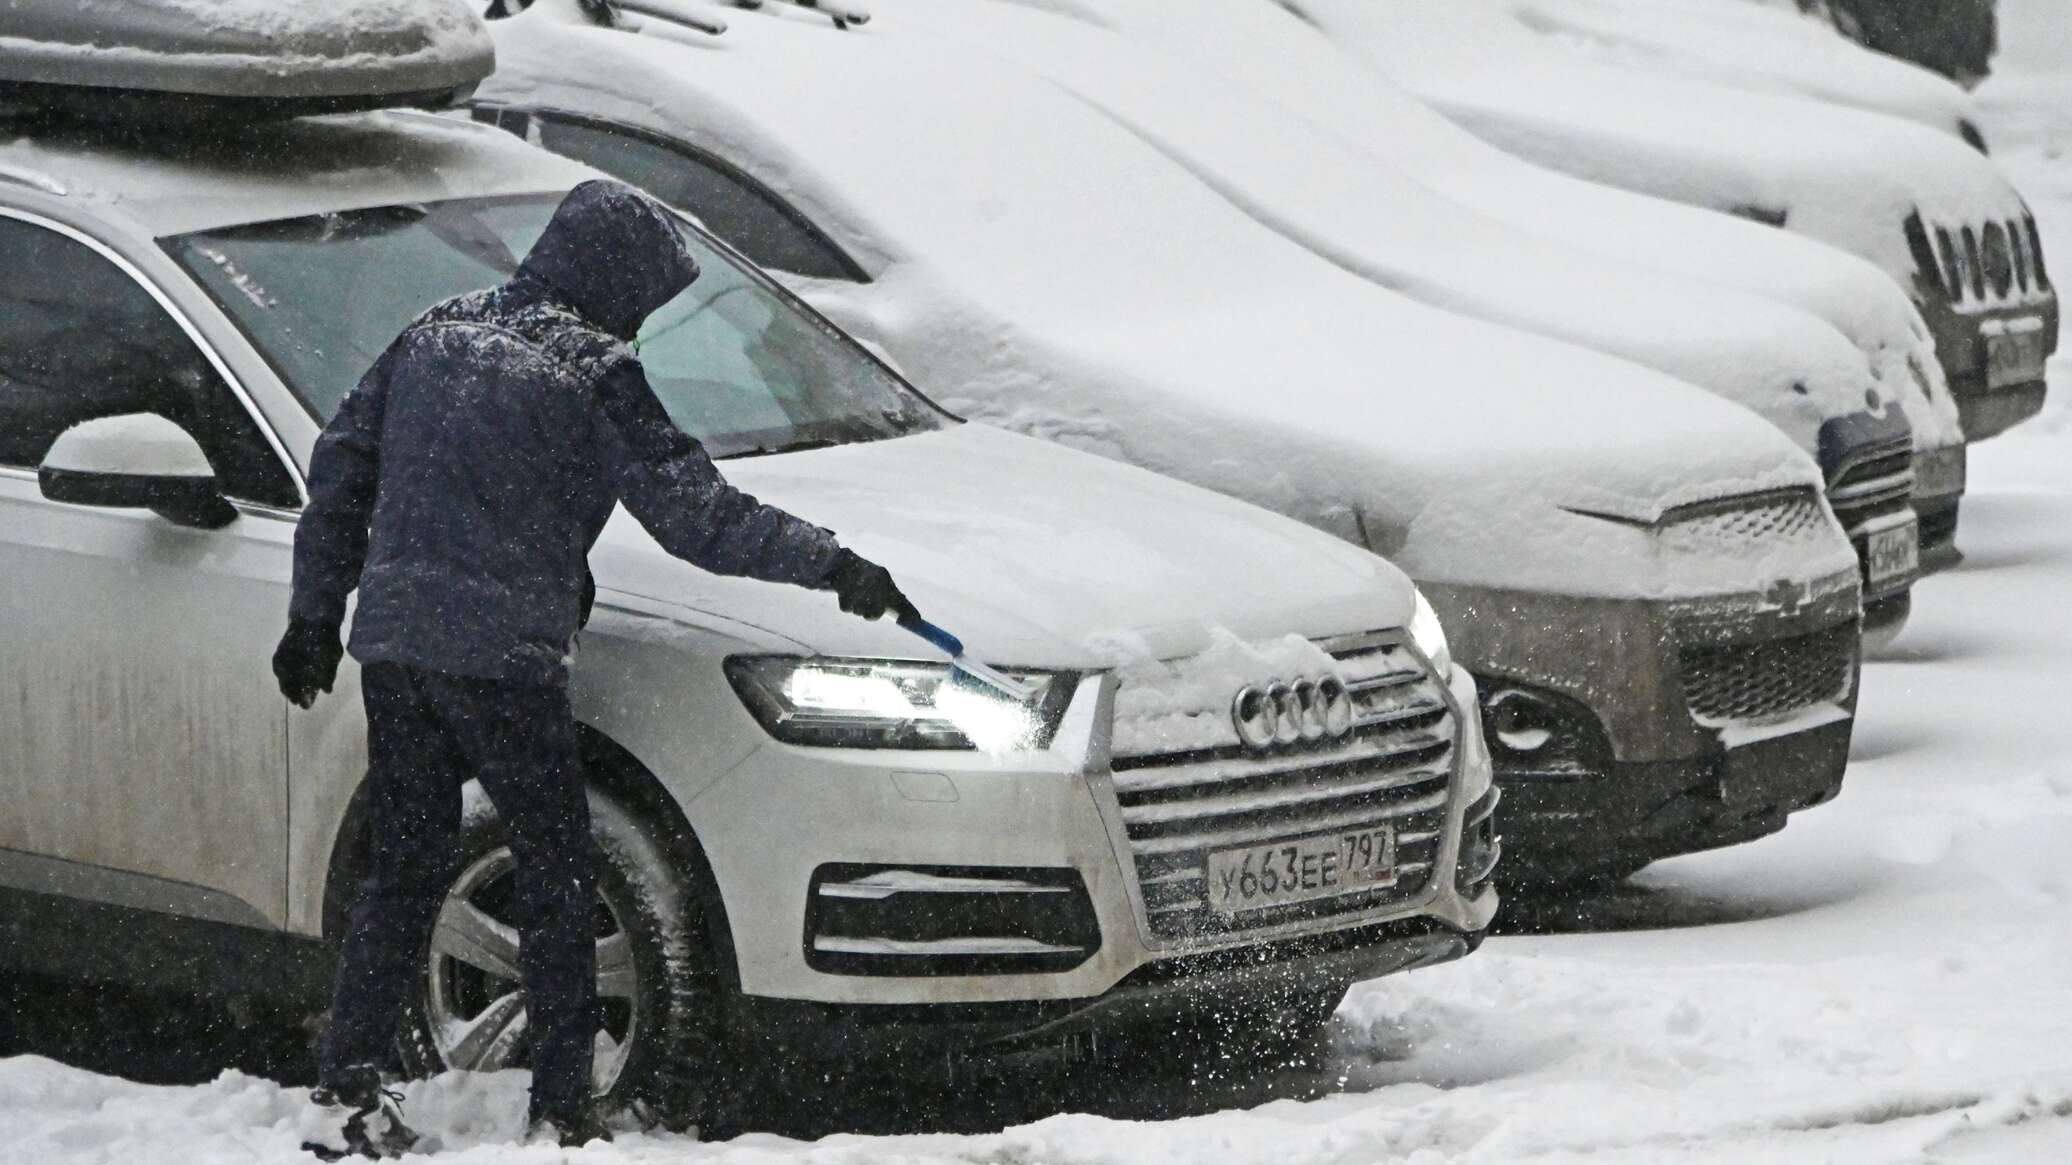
<point>1894,553</point>
<point>1301,869</point>
<point>2014,358</point>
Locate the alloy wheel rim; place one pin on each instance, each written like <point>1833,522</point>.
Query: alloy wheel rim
<point>474,1006</point>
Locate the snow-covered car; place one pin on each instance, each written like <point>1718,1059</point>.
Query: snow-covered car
<point>1935,215</point>
<point>1358,210</point>
<point>1249,771</point>
<point>1747,45</point>
<point>1641,573</point>
<point>1280,57</point>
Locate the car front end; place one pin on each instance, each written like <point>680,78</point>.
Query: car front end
<point>1627,730</point>
<point>1986,293</point>
<point>1148,860</point>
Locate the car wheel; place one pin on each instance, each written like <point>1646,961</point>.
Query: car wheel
<point>659,990</point>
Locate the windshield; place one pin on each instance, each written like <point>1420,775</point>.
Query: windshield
<point>737,362</point>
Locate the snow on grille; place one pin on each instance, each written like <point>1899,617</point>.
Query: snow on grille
<point>1179,806</point>
<point>1790,515</point>
<point>1741,683</point>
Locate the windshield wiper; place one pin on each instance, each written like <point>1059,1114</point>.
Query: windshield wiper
<point>797,446</point>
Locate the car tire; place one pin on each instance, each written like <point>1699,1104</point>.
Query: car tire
<point>660,992</point>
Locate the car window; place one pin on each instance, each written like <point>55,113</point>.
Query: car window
<point>731,205</point>
<point>81,339</point>
<point>738,362</point>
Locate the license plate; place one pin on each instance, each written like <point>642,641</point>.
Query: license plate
<point>1939,472</point>
<point>1302,869</point>
<point>1894,553</point>
<point>2014,358</point>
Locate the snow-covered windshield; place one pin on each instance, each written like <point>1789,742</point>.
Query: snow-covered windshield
<point>737,363</point>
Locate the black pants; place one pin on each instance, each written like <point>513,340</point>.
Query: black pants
<point>427,733</point>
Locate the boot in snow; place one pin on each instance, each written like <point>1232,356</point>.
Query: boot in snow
<point>571,1130</point>
<point>372,1117</point>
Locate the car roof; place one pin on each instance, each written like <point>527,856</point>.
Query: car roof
<point>168,183</point>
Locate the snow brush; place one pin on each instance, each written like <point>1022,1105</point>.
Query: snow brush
<point>954,648</point>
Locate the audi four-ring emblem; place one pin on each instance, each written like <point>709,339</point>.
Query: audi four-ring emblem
<point>1283,714</point>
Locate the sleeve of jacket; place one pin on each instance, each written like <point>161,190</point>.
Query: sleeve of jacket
<point>668,482</point>
<point>331,538</point>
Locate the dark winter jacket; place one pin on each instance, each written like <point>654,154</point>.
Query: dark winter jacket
<point>464,479</point>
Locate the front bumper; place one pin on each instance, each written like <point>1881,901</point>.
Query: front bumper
<point>1632,814</point>
<point>1155,997</point>
<point>1939,483</point>
<point>1624,756</point>
<point>787,822</point>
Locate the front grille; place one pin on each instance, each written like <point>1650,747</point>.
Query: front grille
<point>1980,264</point>
<point>1395,766</point>
<point>1740,683</point>
<point>1870,487</point>
<point>1734,523</point>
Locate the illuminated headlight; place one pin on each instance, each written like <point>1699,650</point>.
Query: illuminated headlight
<point>1430,637</point>
<point>868,703</point>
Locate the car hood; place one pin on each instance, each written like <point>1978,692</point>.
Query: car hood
<point>1035,554</point>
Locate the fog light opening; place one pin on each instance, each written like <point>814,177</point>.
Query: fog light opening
<point>1520,721</point>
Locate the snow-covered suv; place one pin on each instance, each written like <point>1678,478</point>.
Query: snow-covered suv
<point>1250,771</point>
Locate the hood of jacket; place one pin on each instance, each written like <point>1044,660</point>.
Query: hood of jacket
<point>613,254</point>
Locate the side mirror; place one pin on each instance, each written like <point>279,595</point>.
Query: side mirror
<point>135,461</point>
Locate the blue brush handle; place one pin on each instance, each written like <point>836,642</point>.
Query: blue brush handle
<point>933,634</point>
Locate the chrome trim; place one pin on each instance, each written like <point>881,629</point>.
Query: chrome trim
<point>187,325</point>
<point>889,882</point>
<point>1254,802</point>
<point>1230,837</point>
<point>1003,945</point>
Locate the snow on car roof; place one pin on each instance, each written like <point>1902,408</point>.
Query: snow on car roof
<point>170,185</point>
<point>1274,54</point>
<point>1045,270</point>
<point>1749,46</point>
<point>1356,208</point>
<point>247,48</point>
<point>1844,175</point>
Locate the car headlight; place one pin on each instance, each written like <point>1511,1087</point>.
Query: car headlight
<point>1430,637</point>
<point>872,703</point>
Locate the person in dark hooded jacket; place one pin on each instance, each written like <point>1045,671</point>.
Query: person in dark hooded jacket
<point>460,488</point>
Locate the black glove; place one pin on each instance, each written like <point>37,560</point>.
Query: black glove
<point>306,661</point>
<point>866,589</point>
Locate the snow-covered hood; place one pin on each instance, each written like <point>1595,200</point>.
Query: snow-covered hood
<point>1358,210</point>
<point>1845,176</point>
<point>1035,554</point>
<point>1749,46</point>
<point>1037,266</point>
<point>1271,53</point>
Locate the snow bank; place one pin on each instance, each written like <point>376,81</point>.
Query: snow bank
<point>1268,51</point>
<point>1037,266</point>
<point>1357,210</point>
<point>1843,176</point>
<point>1745,46</point>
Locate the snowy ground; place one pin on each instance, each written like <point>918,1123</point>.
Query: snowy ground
<point>1889,980</point>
